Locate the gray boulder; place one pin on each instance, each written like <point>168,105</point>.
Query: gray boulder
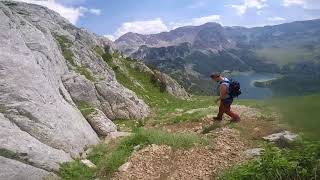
<point>285,135</point>
<point>100,123</point>
<point>15,170</point>
<point>254,152</point>
<point>80,89</point>
<point>282,139</point>
<point>119,102</point>
<point>20,145</point>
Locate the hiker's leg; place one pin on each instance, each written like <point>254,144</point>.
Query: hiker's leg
<point>232,114</point>
<point>221,110</point>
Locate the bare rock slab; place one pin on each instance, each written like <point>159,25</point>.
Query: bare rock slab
<point>15,170</point>
<point>88,163</point>
<point>285,135</point>
<point>254,152</point>
<point>101,123</point>
<point>115,135</point>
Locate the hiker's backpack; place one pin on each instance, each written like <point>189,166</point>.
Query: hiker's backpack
<point>234,88</point>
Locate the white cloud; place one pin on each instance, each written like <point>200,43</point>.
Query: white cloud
<point>195,21</point>
<point>71,13</point>
<point>141,27</point>
<point>307,4</point>
<point>95,11</point>
<point>276,19</point>
<point>242,8</point>
<point>111,37</point>
<point>157,25</point>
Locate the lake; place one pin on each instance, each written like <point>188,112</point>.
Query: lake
<point>249,91</point>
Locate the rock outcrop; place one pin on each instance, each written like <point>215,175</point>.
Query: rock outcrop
<point>170,85</point>
<point>11,169</point>
<point>47,68</point>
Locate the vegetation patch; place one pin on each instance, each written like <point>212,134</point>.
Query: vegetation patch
<point>65,45</point>
<point>3,108</point>
<point>98,50</point>
<point>300,162</point>
<point>301,113</point>
<point>193,117</point>
<point>85,108</point>
<point>75,170</point>
<point>85,72</point>
<point>109,157</point>
<point>8,153</point>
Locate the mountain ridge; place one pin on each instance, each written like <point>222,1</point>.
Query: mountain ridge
<point>212,47</point>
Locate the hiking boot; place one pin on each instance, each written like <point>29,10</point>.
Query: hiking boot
<point>217,119</point>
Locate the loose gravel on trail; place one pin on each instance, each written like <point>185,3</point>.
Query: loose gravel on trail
<point>200,162</point>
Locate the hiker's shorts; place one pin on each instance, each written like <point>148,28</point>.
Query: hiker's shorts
<point>227,101</point>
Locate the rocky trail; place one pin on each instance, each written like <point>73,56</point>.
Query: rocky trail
<point>227,145</point>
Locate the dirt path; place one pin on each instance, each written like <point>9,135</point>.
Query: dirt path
<point>201,162</point>
<point>226,148</point>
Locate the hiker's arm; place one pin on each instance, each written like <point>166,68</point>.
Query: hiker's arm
<point>223,92</point>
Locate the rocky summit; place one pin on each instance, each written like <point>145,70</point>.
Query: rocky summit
<point>57,94</point>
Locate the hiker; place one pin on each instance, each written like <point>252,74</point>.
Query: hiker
<point>226,98</point>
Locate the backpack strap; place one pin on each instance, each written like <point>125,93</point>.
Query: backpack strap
<point>224,81</point>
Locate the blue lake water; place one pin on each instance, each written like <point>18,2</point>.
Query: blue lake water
<point>249,91</point>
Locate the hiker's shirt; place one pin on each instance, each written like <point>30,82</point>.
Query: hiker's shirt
<point>227,99</point>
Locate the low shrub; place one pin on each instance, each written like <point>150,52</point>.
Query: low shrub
<point>300,162</point>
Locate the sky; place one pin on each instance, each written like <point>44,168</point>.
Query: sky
<point>113,18</point>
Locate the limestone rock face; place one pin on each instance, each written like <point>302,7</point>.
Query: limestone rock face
<point>48,66</point>
<point>80,89</point>
<point>119,102</point>
<point>15,170</point>
<point>22,146</point>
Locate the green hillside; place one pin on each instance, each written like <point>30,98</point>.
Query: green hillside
<point>169,112</point>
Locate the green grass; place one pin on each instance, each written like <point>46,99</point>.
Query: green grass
<point>65,45</point>
<point>192,117</point>
<point>98,50</point>
<point>300,162</point>
<point>85,72</point>
<point>301,113</point>
<point>8,153</point>
<point>85,108</point>
<point>109,157</point>
<point>75,171</point>
<point>3,108</point>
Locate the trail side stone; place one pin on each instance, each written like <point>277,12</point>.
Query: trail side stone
<point>88,163</point>
<point>101,123</point>
<point>254,152</point>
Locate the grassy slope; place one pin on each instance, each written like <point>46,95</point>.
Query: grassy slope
<point>302,113</point>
